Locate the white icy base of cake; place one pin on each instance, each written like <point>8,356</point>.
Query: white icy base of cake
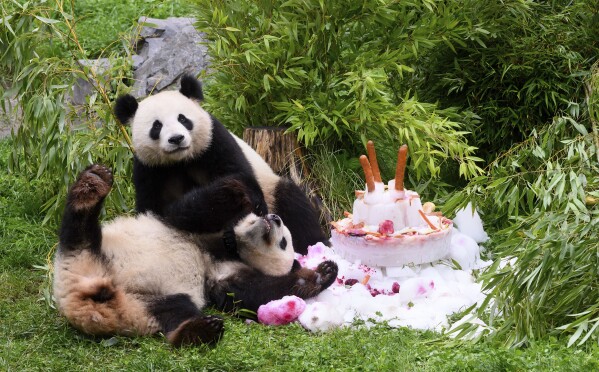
<point>393,251</point>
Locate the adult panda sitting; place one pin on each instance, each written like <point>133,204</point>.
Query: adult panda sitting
<point>137,275</point>
<point>181,151</point>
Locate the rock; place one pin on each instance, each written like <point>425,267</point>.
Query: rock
<point>83,88</point>
<point>137,61</point>
<point>10,119</point>
<point>168,48</point>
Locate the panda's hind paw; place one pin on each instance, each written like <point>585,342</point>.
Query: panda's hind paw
<point>200,330</point>
<point>101,171</point>
<point>92,185</point>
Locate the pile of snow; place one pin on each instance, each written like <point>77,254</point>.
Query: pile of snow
<point>469,223</point>
<point>418,296</point>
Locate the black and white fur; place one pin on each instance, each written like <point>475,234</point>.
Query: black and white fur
<point>181,150</point>
<point>137,275</point>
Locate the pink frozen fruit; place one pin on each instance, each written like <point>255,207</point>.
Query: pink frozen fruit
<point>386,227</point>
<point>283,311</point>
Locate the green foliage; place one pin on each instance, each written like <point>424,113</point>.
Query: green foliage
<point>337,180</point>
<point>527,64</point>
<point>543,194</point>
<point>23,242</point>
<point>552,170</point>
<point>55,140</point>
<point>335,72</point>
<point>551,286</point>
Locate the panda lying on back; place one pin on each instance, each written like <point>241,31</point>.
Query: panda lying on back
<point>137,275</point>
<point>181,150</point>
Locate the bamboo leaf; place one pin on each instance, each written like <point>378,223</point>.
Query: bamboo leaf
<point>47,20</point>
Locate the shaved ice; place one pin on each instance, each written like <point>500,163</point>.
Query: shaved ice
<point>399,261</point>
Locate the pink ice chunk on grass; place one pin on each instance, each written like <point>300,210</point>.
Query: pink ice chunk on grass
<point>283,311</point>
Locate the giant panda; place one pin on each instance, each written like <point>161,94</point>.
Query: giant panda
<point>138,275</point>
<point>181,150</point>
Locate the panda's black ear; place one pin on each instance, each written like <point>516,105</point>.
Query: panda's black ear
<point>125,108</point>
<point>191,87</point>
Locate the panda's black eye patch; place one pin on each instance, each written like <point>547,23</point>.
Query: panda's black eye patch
<point>283,244</point>
<point>185,121</point>
<point>155,131</point>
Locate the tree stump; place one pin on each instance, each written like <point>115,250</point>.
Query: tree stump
<point>286,158</point>
<point>279,149</point>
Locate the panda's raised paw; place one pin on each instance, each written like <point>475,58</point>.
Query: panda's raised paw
<point>101,171</point>
<point>234,193</point>
<point>311,282</point>
<point>328,273</point>
<point>202,329</point>
<point>92,185</point>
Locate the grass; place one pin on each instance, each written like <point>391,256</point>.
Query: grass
<point>36,337</point>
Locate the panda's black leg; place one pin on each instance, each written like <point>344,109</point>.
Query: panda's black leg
<point>213,207</point>
<point>250,289</point>
<point>80,228</point>
<point>183,323</point>
<point>299,215</point>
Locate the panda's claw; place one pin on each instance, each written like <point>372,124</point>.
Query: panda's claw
<point>101,171</point>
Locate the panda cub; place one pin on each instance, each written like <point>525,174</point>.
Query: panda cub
<point>181,151</point>
<point>138,276</point>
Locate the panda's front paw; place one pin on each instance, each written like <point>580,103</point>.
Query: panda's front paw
<point>311,282</point>
<point>92,185</point>
<point>234,194</point>
<point>328,271</point>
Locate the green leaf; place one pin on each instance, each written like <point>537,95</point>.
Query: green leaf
<point>110,342</point>
<point>581,328</point>
<point>47,20</point>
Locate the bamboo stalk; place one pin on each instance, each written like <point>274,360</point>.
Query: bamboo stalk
<point>590,98</point>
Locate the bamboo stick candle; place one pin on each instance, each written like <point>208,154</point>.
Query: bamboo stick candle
<point>376,173</point>
<point>402,156</point>
<point>367,172</point>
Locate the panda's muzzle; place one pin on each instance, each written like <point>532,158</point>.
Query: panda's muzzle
<point>269,220</point>
<point>176,140</point>
<point>273,218</point>
<point>176,143</point>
